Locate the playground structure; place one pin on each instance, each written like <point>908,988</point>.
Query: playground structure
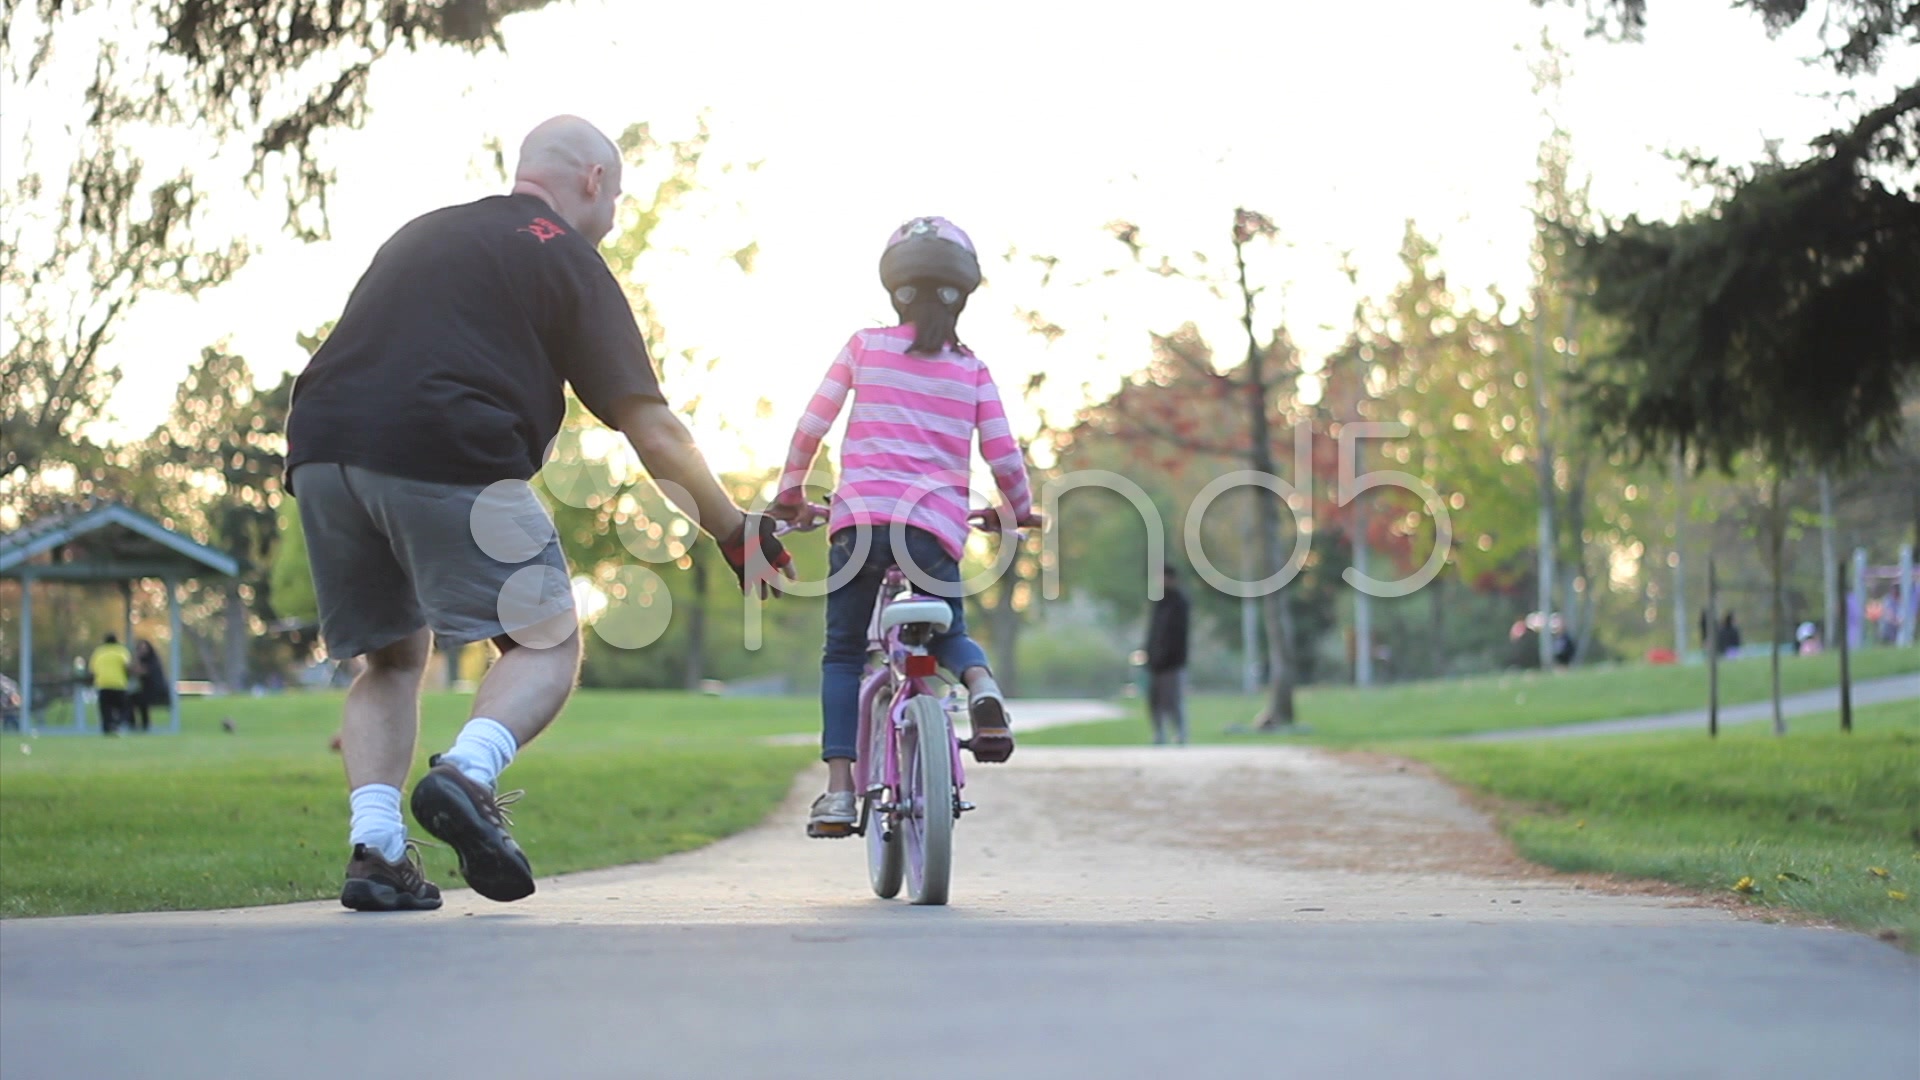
<point>102,542</point>
<point>1885,598</point>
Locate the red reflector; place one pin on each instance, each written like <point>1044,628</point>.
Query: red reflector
<point>922,665</point>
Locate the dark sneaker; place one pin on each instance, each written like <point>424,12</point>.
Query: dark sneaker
<point>473,821</point>
<point>992,739</point>
<point>374,884</point>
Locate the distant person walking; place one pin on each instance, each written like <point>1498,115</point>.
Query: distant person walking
<point>110,665</point>
<point>152,688</point>
<point>1729,639</point>
<point>1167,661</point>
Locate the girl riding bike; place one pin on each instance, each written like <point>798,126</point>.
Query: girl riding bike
<point>920,396</point>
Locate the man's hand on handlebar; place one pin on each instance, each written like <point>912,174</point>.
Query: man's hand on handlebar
<point>755,555</point>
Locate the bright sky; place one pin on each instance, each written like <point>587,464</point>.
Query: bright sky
<point>1032,125</point>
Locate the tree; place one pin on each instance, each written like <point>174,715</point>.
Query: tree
<point>97,221</point>
<point>214,468</point>
<point>1184,415</point>
<point>1784,321</point>
<point>1428,360</point>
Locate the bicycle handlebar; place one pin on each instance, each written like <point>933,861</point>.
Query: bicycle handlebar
<point>817,517</point>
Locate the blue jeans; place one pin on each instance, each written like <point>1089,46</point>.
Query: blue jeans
<point>850,610</point>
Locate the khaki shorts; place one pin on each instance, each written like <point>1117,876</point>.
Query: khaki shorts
<point>391,555</point>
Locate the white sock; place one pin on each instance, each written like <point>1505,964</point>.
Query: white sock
<point>377,822</point>
<point>483,751</point>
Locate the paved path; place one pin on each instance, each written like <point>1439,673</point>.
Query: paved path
<point>1123,912</point>
<point>1869,692</point>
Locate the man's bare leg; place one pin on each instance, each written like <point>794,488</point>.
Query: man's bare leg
<point>521,694</point>
<point>380,725</point>
<point>382,719</point>
<point>526,688</point>
<point>456,802</point>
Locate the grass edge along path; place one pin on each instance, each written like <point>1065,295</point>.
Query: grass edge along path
<point>1819,822</point>
<point>91,825</point>
<point>1345,715</point>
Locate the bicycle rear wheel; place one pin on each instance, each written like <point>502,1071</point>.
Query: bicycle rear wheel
<point>886,860</point>
<point>926,815</point>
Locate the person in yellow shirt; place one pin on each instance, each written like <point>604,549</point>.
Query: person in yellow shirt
<point>111,665</point>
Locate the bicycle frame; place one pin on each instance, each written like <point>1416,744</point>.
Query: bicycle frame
<point>891,676</point>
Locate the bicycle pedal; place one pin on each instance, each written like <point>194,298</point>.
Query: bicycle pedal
<point>828,831</point>
<point>966,806</point>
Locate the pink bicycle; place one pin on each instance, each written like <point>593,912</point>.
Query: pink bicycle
<point>909,774</point>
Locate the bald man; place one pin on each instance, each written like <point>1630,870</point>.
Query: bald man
<point>413,431</point>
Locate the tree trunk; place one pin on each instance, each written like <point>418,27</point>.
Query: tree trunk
<point>1682,633</point>
<point>1594,578</point>
<point>451,657</point>
<point>1777,542</point>
<point>1275,607</point>
<point>1006,629</point>
<point>696,661</point>
<point>1437,597</point>
<point>1278,712</point>
<point>1362,602</point>
<point>1543,477</point>
<point>202,648</point>
<point>235,668</point>
<point>1829,567</point>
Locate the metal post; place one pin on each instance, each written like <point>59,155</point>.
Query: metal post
<point>126,603</point>
<point>1905,595</point>
<point>26,651</point>
<point>173,654</point>
<point>1860,596</point>
<point>1846,671</point>
<point>1713,651</point>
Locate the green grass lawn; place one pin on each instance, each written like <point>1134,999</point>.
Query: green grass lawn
<point>1818,821</point>
<point>209,819</point>
<point>1343,714</point>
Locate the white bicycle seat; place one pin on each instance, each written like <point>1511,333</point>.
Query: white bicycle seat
<point>937,613</point>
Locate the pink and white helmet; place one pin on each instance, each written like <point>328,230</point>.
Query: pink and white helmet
<point>929,251</point>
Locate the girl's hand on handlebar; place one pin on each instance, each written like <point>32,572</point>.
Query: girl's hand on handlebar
<point>994,519</point>
<point>798,517</point>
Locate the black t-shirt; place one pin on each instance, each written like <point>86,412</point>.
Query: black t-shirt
<point>448,363</point>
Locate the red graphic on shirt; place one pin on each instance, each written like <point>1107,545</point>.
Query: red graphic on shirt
<point>543,229</point>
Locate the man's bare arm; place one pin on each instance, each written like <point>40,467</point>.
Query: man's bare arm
<point>666,450</point>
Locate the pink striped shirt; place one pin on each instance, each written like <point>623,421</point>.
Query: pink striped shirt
<point>909,438</point>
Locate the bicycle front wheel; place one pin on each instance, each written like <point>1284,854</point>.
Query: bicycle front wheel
<point>886,860</point>
<point>926,800</point>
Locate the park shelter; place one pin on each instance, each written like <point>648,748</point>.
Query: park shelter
<point>106,542</point>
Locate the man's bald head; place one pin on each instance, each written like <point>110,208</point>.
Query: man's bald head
<point>576,169</point>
